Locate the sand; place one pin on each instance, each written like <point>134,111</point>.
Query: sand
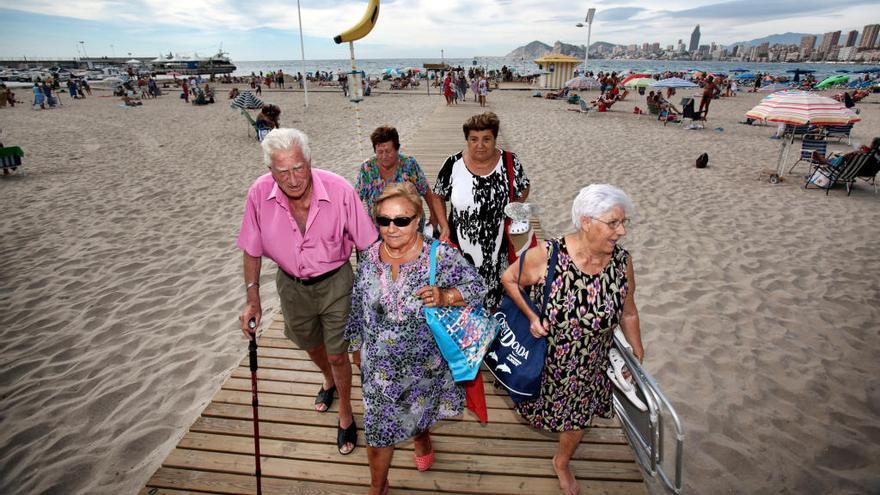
<point>120,281</point>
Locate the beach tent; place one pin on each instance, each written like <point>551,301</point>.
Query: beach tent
<point>246,100</point>
<point>673,82</point>
<point>831,81</point>
<point>799,108</point>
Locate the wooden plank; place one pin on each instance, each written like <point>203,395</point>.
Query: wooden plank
<point>468,461</point>
<point>401,478</point>
<point>226,483</point>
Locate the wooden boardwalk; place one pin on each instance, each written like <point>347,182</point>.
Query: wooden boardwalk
<point>298,445</point>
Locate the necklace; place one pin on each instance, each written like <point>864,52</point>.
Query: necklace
<point>404,253</point>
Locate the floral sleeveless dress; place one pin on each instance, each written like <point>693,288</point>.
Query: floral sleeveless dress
<point>583,311</point>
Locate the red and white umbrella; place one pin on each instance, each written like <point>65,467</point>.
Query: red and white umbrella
<point>801,108</point>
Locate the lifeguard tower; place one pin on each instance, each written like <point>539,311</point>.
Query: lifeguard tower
<point>556,70</point>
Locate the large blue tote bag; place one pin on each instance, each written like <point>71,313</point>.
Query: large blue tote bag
<point>516,358</point>
<point>463,334</point>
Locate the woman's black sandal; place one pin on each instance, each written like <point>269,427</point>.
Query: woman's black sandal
<point>347,435</point>
<point>325,397</point>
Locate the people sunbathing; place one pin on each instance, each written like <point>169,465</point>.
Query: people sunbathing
<point>604,102</point>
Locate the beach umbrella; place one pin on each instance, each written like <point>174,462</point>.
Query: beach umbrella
<point>772,88</point>
<point>673,82</point>
<point>631,77</point>
<point>841,70</point>
<point>582,83</point>
<point>831,81</point>
<point>247,100</point>
<point>639,82</point>
<point>747,75</point>
<point>872,70</point>
<point>796,107</point>
<point>736,71</point>
<point>255,403</point>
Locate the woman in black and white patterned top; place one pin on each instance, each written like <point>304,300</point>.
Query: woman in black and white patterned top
<point>475,181</point>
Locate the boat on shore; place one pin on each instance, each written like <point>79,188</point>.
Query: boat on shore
<point>192,65</point>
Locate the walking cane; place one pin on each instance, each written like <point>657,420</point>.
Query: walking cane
<point>252,352</point>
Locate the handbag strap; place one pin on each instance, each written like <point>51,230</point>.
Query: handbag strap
<point>551,273</point>
<point>432,271</point>
<point>508,164</point>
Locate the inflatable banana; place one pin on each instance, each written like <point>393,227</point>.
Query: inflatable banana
<point>363,27</point>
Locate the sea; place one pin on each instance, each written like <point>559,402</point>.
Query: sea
<point>379,66</point>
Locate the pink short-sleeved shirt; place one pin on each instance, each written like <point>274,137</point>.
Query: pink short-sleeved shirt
<point>336,222</point>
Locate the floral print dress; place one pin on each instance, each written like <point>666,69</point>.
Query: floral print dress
<point>583,311</point>
<point>407,385</point>
<point>370,183</point>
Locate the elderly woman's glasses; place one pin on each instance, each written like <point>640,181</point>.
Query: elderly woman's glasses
<point>614,224</point>
<point>399,221</point>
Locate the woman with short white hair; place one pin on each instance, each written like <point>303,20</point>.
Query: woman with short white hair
<point>592,292</point>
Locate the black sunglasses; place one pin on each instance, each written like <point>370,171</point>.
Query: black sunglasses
<point>399,221</point>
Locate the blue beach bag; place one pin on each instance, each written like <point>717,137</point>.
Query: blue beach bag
<point>463,334</point>
<point>516,357</point>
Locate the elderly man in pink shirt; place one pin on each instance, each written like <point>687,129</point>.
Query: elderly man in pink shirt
<point>307,220</point>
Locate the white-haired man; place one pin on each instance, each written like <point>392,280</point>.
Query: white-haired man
<point>307,220</point>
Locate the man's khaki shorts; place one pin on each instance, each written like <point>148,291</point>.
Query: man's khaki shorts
<point>316,314</point>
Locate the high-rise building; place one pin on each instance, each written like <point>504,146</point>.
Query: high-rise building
<point>851,38</point>
<point>695,40</point>
<point>808,42</point>
<point>869,36</point>
<point>829,41</point>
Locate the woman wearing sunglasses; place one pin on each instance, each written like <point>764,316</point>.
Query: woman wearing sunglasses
<point>407,385</point>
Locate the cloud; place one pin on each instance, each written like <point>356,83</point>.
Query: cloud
<point>619,13</point>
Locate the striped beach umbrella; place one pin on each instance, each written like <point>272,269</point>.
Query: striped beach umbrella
<point>801,108</point>
<point>633,76</point>
<point>639,82</point>
<point>582,83</point>
<point>673,82</point>
<point>247,100</point>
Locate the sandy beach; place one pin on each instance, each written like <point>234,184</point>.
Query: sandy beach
<point>121,284</point>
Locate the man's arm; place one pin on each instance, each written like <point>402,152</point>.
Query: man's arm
<point>252,307</point>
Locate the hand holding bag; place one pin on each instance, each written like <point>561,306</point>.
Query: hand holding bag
<point>463,334</point>
<point>516,357</point>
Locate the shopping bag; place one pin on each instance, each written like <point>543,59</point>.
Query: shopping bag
<point>463,334</point>
<point>516,357</point>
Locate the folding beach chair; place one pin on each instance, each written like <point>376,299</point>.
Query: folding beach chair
<point>798,130</point>
<point>870,169</point>
<point>10,159</point>
<point>811,143</point>
<point>252,124</point>
<point>839,132</point>
<point>825,177</point>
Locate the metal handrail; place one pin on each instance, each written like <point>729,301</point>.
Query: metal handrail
<point>649,452</point>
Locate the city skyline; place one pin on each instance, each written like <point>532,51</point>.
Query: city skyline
<point>407,28</point>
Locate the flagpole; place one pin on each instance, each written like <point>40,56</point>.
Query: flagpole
<point>302,49</point>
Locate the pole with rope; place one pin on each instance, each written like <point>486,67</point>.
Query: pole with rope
<point>302,51</point>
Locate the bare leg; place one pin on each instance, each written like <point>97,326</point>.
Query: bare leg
<point>318,355</point>
<point>341,367</point>
<point>422,443</point>
<point>380,461</point>
<point>568,443</point>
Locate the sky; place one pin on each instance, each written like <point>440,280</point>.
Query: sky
<point>268,29</point>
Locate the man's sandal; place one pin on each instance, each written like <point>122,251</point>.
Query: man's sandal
<point>347,435</point>
<point>325,397</point>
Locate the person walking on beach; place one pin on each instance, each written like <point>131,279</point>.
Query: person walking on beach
<point>593,291</point>
<point>708,94</point>
<point>483,88</point>
<point>306,220</point>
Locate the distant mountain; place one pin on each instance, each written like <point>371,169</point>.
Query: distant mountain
<point>784,39</point>
<point>537,49</point>
<point>530,51</point>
